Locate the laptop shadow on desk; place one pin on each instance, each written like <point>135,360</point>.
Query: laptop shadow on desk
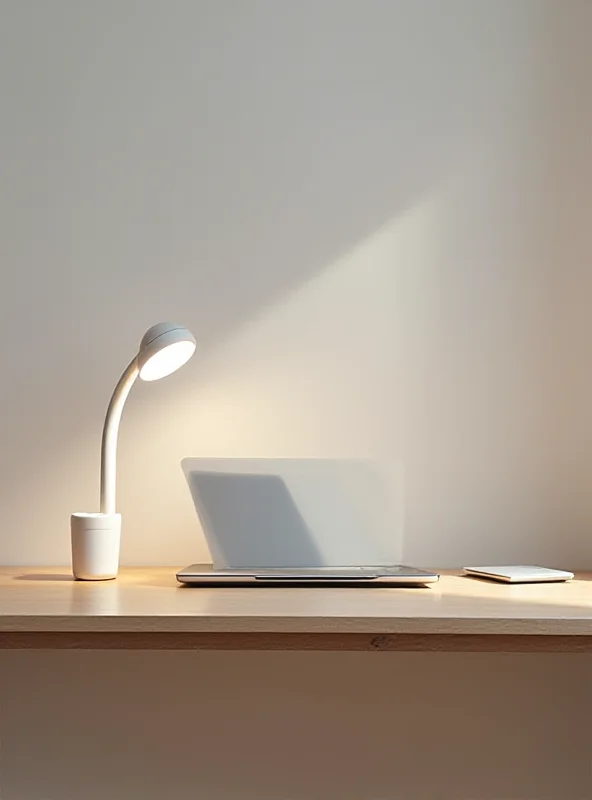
<point>253,520</point>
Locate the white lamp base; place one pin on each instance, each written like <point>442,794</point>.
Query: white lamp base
<point>95,546</point>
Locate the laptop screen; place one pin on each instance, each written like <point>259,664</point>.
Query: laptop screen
<point>294,512</point>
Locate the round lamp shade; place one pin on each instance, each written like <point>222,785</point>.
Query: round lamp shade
<point>164,348</point>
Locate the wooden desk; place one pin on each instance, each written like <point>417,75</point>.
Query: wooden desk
<point>145,608</point>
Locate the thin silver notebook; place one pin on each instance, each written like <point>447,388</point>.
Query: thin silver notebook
<point>205,575</point>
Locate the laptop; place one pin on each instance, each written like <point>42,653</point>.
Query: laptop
<point>297,522</point>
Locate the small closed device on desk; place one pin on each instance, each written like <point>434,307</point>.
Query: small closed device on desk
<point>520,574</point>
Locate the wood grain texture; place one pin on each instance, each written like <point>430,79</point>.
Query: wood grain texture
<point>146,608</point>
<point>404,642</point>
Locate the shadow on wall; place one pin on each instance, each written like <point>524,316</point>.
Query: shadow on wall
<point>252,520</point>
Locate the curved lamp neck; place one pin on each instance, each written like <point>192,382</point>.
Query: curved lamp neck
<point>110,433</point>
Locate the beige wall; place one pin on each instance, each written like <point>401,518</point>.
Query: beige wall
<point>374,216</point>
<point>364,212</point>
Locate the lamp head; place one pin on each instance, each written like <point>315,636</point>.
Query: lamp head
<point>164,348</point>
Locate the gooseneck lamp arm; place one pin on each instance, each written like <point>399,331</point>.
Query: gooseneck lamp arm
<point>110,434</point>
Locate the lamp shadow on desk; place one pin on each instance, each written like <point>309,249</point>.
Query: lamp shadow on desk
<point>43,576</point>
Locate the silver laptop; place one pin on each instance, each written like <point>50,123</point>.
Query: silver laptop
<point>289,522</point>
<point>204,575</point>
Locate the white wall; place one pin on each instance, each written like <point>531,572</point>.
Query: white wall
<point>354,205</point>
<point>374,217</point>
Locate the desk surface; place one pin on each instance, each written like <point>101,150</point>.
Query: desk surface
<point>146,608</point>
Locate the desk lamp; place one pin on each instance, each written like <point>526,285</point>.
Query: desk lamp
<point>96,537</point>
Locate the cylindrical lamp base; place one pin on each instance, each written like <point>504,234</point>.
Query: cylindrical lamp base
<point>95,546</point>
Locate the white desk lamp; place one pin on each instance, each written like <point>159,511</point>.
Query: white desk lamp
<point>96,537</point>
